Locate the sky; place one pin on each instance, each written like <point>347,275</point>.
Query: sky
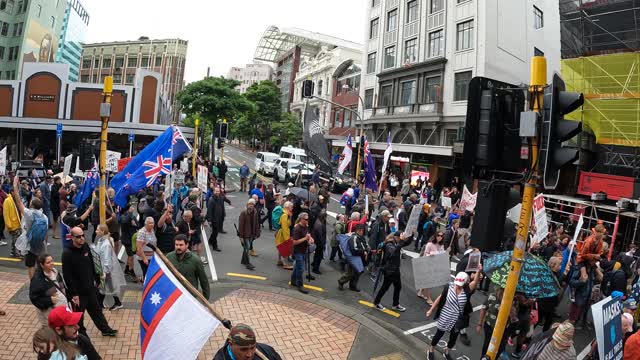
<point>221,34</point>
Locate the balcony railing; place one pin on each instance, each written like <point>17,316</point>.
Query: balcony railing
<point>434,108</point>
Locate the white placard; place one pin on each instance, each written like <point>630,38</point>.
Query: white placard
<point>540,218</point>
<point>414,219</point>
<point>67,165</point>
<point>178,178</point>
<point>112,161</point>
<point>203,178</point>
<point>184,165</point>
<point>446,202</point>
<point>3,161</point>
<point>468,201</point>
<point>431,271</point>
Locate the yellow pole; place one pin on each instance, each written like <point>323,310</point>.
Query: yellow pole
<point>108,89</point>
<point>195,150</point>
<point>537,83</point>
<point>222,149</point>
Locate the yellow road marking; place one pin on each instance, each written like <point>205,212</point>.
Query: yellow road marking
<point>386,311</point>
<point>311,287</point>
<point>19,260</point>
<point>256,277</point>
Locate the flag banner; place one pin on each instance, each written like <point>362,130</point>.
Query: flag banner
<point>369,169</point>
<point>3,161</point>
<point>173,323</point>
<point>91,182</point>
<point>347,154</point>
<point>387,154</point>
<point>314,140</point>
<point>419,175</point>
<point>122,163</point>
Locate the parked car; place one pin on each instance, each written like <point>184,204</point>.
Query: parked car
<point>289,152</point>
<point>286,170</point>
<point>265,162</point>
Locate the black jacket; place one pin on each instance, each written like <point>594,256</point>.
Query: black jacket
<point>87,348</point>
<point>319,233</point>
<point>269,199</point>
<point>392,252</point>
<point>128,226</point>
<point>265,349</point>
<point>215,211</point>
<point>78,271</point>
<point>41,288</point>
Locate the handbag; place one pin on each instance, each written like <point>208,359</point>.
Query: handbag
<point>533,315</point>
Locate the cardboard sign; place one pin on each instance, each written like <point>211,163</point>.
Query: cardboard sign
<point>540,218</point>
<point>607,320</point>
<point>474,262</point>
<point>468,200</point>
<point>3,161</point>
<point>446,202</point>
<point>203,178</point>
<point>122,163</point>
<point>431,271</point>
<point>112,161</point>
<point>67,165</point>
<point>178,178</point>
<point>414,219</point>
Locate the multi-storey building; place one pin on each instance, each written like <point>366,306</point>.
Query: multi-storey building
<point>249,75</point>
<point>421,54</point>
<point>29,32</point>
<point>72,37</point>
<point>122,59</point>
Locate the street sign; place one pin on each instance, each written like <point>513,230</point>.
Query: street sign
<point>132,136</point>
<point>59,130</point>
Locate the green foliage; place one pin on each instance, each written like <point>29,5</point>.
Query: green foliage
<point>287,131</point>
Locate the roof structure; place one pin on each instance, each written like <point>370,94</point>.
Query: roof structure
<point>276,42</point>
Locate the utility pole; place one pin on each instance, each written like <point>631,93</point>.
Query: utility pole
<point>537,85</point>
<point>223,137</point>
<point>195,149</point>
<point>105,113</point>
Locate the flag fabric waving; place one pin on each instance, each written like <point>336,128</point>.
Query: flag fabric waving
<point>314,141</point>
<point>387,154</point>
<point>369,168</point>
<point>347,153</point>
<point>173,324</point>
<point>91,182</point>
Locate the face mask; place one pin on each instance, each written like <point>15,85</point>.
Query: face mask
<point>393,229</point>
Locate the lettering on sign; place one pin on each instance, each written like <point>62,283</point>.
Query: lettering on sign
<point>44,98</point>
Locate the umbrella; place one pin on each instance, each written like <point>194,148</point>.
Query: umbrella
<point>303,194</point>
<point>65,179</point>
<point>536,278</point>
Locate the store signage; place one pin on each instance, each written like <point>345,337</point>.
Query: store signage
<point>43,98</point>
<point>614,186</point>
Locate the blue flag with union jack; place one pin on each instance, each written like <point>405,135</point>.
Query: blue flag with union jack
<point>153,162</point>
<point>91,182</point>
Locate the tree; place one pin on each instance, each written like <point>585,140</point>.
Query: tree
<point>266,97</point>
<point>287,131</point>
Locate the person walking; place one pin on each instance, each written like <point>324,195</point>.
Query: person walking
<point>128,226</point>
<point>434,247</point>
<point>391,269</point>
<point>146,236</point>
<point>46,289</point>
<point>284,233</point>
<point>188,265</point>
<point>81,273</point>
<point>222,173</point>
<point>215,217</point>
<point>248,231</point>
<point>113,278</point>
<point>269,204</point>
<point>244,175</point>
<point>340,227</point>
<point>359,249</point>
<point>449,308</point>
<point>241,344</point>
<point>45,190</point>
<point>319,234</point>
<point>55,204</point>
<point>12,220</point>
<point>72,344</point>
<point>196,224</point>
<point>301,241</point>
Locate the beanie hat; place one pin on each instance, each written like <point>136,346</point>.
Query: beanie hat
<point>563,336</point>
<point>242,335</point>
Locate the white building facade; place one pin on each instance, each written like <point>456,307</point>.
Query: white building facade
<point>421,54</point>
<point>250,74</point>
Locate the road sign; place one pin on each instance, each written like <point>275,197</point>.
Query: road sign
<point>132,136</point>
<point>59,130</point>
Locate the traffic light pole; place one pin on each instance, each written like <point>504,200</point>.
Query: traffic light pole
<point>537,84</point>
<point>105,113</point>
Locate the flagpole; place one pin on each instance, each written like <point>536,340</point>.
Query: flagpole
<point>197,294</point>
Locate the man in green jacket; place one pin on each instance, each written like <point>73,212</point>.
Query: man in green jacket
<point>188,265</point>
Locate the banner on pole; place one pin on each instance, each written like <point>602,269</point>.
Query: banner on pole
<point>66,170</point>
<point>203,178</point>
<point>3,161</point>
<point>468,200</point>
<point>607,320</point>
<point>431,271</point>
<point>540,218</point>
<point>112,161</point>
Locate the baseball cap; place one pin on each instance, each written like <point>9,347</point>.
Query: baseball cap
<point>386,213</point>
<point>63,316</point>
<point>461,278</point>
<point>630,304</point>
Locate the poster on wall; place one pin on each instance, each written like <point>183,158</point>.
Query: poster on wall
<point>42,32</point>
<point>417,174</point>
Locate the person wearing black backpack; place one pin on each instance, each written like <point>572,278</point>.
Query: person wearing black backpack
<point>36,226</point>
<point>614,278</point>
<point>391,269</point>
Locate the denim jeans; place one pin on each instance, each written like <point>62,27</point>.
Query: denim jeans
<point>298,269</point>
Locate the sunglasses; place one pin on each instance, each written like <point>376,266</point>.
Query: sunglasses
<point>78,236</point>
<point>440,235</point>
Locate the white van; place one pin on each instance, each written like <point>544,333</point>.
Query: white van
<point>289,152</point>
<point>265,162</point>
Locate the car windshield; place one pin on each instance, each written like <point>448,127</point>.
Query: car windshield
<point>297,166</point>
<point>305,159</point>
<point>270,158</point>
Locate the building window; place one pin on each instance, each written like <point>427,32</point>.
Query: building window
<point>119,62</point>
<point>11,49</point>
<point>7,6</point>
<point>95,79</point>
<point>86,64</point>
<point>389,57</point>
<point>538,18</point>
<point>386,95</point>
<point>336,118</point>
<point>158,61</point>
<point>15,29</point>
<point>84,78</point>
<point>20,28</point>
<point>465,35</point>
<point>450,136</point>
<point>347,119</point>
<point>106,63</point>
<point>375,3</point>
<point>320,88</point>
<point>371,63</point>
<point>462,1</point>
<point>96,63</point>
<point>432,89</point>
<point>129,79</point>
<point>436,43</point>
<point>412,11</point>
<point>537,52</point>
<point>373,28</point>
<point>5,29</point>
<point>392,20</point>
<point>437,5</point>
<point>411,51</point>
<point>132,62</point>
<point>117,79</point>
<point>407,92</point>
<point>368,99</point>
<point>53,22</point>
<point>145,62</point>
<point>461,85</point>
<point>1,52</point>
<point>19,8</point>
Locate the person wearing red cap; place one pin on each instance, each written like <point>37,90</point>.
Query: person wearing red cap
<point>65,323</point>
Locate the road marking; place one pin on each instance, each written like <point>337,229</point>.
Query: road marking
<point>332,214</point>
<point>433,324</point>
<point>386,311</point>
<point>311,287</point>
<point>212,267</point>
<point>255,277</point>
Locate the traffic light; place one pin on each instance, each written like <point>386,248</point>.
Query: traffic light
<point>556,130</point>
<point>307,89</point>
<point>220,143</point>
<point>493,202</point>
<point>223,130</point>
<point>87,159</point>
<point>492,140</point>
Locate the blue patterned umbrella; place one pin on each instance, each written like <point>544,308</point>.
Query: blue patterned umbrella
<point>536,278</point>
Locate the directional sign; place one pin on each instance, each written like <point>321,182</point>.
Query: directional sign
<point>132,136</point>
<point>59,130</point>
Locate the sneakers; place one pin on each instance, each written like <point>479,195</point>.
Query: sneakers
<point>116,307</point>
<point>253,253</point>
<point>340,285</point>
<point>111,333</point>
<point>3,243</point>
<point>399,308</point>
<point>464,339</point>
<point>380,307</point>
<point>447,356</point>
<point>516,355</point>
<point>250,267</point>
<point>303,290</point>
<point>217,249</point>
<point>430,355</point>
<point>204,260</point>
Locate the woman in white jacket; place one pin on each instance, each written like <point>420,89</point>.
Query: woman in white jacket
<point>112,274</point>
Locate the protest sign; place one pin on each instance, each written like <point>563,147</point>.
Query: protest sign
<point>431,271</point>
<point>3,161</point>
<point>416,174</point>
<point>607,321</point>
<point>514,213</point>
<point>414,219</point>
<point>203,177</point>
<point>112,161</point>
<point>446,202</point>
<point>540,218</point>
<point>537,345</point>
<point>468,200</point>
<point>184,165</point>
<point>179,178</point>
<point>474,262</point>
<point>67,165</point>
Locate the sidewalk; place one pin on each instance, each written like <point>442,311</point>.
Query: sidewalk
<point>298,326</point>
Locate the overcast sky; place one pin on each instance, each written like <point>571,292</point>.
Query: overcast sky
<point>221,33</point>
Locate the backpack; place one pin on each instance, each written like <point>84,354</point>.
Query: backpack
<point>38,230</point>
<point>275,217</point>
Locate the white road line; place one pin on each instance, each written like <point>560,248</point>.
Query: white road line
<point>332,214</point>
<point>583,354</point>
<point>205,243</point>
<point>433,324</point>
